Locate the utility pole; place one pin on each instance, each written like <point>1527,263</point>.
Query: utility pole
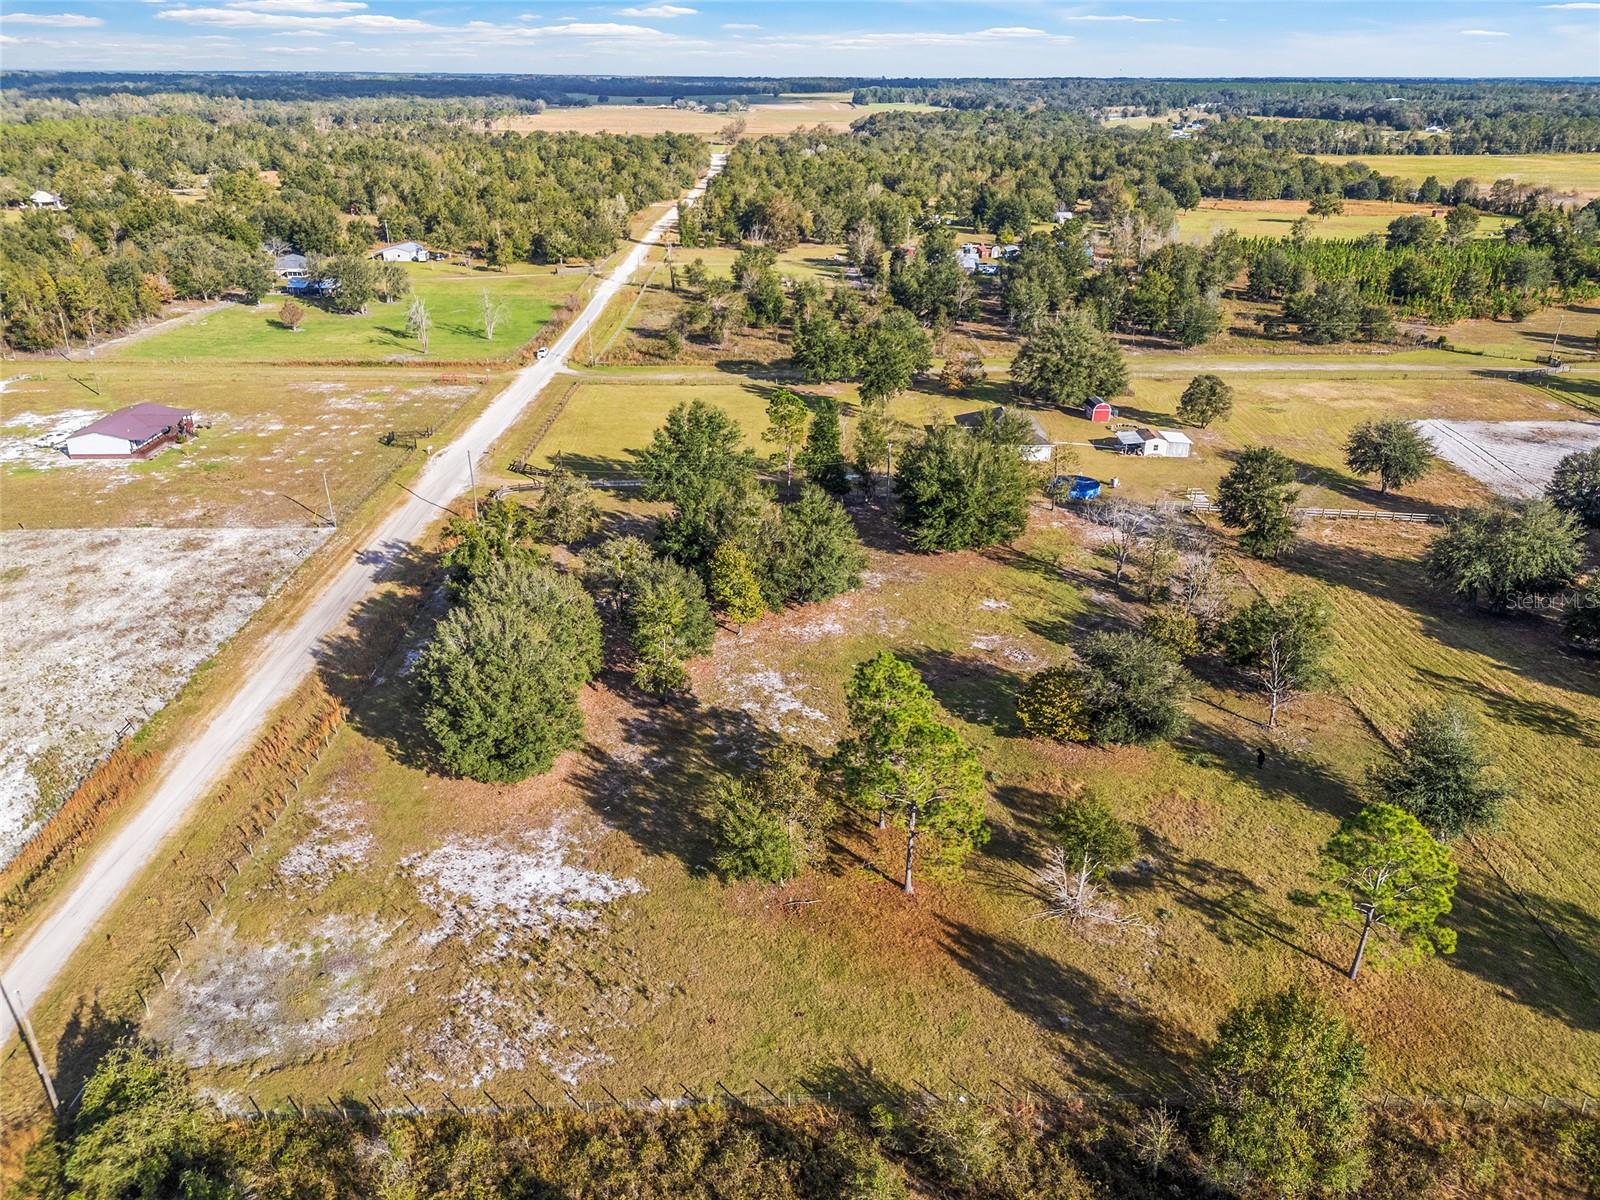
<point>472,478</point>
<point>25,1031</point>
<point>333,518</point>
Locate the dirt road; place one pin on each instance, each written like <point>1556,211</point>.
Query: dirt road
<point>287,658</point>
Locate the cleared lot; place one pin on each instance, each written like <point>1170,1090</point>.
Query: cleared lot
<point>103,626</point>
<point>1513,458</point>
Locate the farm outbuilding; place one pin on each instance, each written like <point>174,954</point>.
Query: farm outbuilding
<point>133,432</point>
<point>403,252</point>
<point>1097,410</point>
<point>1154,443</point>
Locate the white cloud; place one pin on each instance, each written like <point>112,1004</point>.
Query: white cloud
<point>740,25</point>
<point>55,20</point>
<point>291,49</point>
<point>1484,33</point>
<point>573,29</point>
<point>1587,6</point>
<point>312,8</point>
<point>245,18</point>
<point>662,11</point>
<point>301,33</point>
<point>1120,17</point>
<point>7,40</point>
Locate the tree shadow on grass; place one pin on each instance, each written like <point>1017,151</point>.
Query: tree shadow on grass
<point>1501,943</point>
<point>655,788</point>
<point>89,1035</point>
<point>1522,644</point>
<point>1285,775</point>
<point>1553,720</point>
<point>364,664</point>
<point>1235,908</point>
<point>1106,1039</point>
<point>972,688</point>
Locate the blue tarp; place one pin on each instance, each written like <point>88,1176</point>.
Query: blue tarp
<point>1083,488</point>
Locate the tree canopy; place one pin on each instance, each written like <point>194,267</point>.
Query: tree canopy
<point>1068,360</point>
<point>1507,553</point>
<point>1257,497</point>
<point>1394,450</point>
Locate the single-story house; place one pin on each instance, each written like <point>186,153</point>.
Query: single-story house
<point>968,258</point>
<point>292,266</point>
<point>133,432</point>
<point>1041,449</point>
<point>1097,410</point>
<point>1154,443</point>
<point>44,199</point>
<point>403,252</point>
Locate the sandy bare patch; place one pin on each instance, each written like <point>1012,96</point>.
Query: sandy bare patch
<point>497,896</point>
<point>281,998</point>
<point>103,626</point>
<point>1514,458</point>
<point>339,841</point>
<point>34,439</point>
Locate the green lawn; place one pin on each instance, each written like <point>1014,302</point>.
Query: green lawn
<point>454,296</point>
<point>1565,172</point>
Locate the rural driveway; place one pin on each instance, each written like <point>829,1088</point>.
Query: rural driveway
<point>288,657</point>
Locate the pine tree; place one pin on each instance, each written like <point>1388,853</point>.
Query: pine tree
<point>1257,496</point>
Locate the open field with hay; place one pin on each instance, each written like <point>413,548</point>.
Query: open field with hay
<point>1276,218</point>
<point>1579,173</point>
<point>524,298</point>
<point>831,110</point>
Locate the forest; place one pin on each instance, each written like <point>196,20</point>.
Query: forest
<point>127,244</point>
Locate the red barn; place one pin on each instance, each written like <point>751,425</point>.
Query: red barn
<point>1097,410</point>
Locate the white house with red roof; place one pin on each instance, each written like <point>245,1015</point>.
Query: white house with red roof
<point>133,432</point>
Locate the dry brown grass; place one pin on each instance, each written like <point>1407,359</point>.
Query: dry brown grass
<point>66,834</point>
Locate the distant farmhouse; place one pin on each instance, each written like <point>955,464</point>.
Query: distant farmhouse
<point>137,431</point>
<point>44,199</point>
<point>292,266</point>
<point>406,252</point>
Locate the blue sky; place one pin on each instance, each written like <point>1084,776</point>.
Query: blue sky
<point>783,37</point>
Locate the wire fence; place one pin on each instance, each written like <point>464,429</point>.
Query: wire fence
<point>508,1099</point>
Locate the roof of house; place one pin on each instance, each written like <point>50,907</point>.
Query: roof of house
<point>1149,435</point>
<point>971,420</point>
<point>290,262</point>
<point>1129,438</point>
<point>43,196</point>
<point>401,246</point>
<point>1172,435</point>
<point>137,423</point>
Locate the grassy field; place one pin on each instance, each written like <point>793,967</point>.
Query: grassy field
<point>526,295</point>
<point>830,110</point>
<point>1307,414</point>
<point>391,896</point>
<point>1565,172</point>
<point>1276,218</point>
<point>267,439</point>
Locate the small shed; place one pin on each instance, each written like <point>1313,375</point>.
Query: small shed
<point>44,199</point>
<point>1178,444</point>
<point>133,432</point>
<point>1097,410</point>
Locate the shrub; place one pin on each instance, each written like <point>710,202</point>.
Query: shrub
<point>1089,832</point>
<point>1049,706</point>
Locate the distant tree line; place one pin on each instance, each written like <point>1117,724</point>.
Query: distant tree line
<point>126,244</point>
